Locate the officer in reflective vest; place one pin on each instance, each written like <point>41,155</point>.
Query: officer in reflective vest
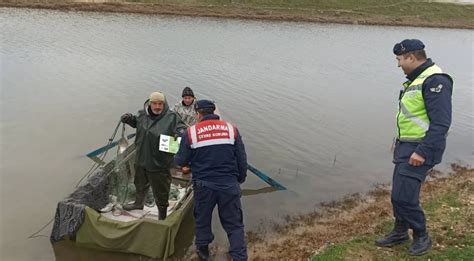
<point>423,121</point>
<point>216,153</point>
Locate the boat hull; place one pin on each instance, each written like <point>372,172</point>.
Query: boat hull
<point>78,216</point>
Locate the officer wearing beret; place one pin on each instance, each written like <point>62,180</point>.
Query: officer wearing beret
<point>423,121</point>
<point>215,150</point>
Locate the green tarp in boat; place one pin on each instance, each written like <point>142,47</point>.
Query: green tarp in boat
<point>78,216</point>
<point>148,237</point>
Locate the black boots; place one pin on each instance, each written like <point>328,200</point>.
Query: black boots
<point>203,253</point>
<point>398,235</point>
<point>138,204</point>
<point>421,241</point>
<point>421,244</point>
<point>132,206</point>
<point>162,211</point>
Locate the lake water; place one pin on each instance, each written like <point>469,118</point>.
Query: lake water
<point>315,103</point>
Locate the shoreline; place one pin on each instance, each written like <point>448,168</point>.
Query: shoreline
<point>293,14</point>
<point>345,229</point>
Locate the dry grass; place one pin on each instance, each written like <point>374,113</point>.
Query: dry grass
<point>357,216</point>
<point>367,12</point>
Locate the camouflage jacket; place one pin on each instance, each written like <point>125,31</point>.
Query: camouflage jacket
<point>187,113</point>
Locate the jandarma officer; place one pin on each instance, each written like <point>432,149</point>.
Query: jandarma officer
<point>217,155</point>
<point>423,121</point>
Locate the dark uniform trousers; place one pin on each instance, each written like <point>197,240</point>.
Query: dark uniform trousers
<point>230,215</point>
<point>160,182</point>
<point>405,197</point>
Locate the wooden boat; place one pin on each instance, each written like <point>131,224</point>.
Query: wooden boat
<point>92,215</point>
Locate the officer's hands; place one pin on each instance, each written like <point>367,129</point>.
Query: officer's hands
<point>416,160</point>
<point>126,118</point>
<point>186,170</point>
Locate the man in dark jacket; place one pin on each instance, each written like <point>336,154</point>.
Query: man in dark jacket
<point>423,121</point>
<point>215,150</point>
<point>152,165</point>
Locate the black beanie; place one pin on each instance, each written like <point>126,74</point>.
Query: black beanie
<point>187,92</point>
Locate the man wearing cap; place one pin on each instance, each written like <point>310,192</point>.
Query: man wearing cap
<point>152,165</point>
<point>185,108</point>
<point>423,121</point>
<point>215,150</point>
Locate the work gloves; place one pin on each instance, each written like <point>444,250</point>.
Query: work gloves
<point>126,118</point>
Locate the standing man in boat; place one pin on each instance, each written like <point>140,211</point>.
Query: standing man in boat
<point>423,121</point>
<point>217,155</point>
<point>152,165</point>
<point>185,107</point>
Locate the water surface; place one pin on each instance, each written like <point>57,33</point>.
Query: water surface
<point>314,103</point>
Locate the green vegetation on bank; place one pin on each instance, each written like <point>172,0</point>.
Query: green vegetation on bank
<point>368,12</point>
<point>451,225</point>
<point>428,11</point>
<point>346,229</point>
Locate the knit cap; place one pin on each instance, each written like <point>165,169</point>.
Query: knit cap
<point>187,92</point>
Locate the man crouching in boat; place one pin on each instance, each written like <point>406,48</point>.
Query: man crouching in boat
<point>215,150</point>
<point>153,166</point>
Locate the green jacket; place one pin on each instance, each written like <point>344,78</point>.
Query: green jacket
<point>149,128</point>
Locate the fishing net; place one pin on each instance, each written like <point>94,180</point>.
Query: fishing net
<point>112,179</point>
<point>81,216</point>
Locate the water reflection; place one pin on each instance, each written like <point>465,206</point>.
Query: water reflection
<point>299,93</point>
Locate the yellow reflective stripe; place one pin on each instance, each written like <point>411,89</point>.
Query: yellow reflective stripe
<point>417,87</point>
<point>406,139</point>
<point>418,121</point>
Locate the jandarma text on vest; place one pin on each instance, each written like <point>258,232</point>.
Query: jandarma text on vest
<point>211,128</point>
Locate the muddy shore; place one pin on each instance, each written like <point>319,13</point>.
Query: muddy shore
<point>370,216</point>
<point>297,14</point>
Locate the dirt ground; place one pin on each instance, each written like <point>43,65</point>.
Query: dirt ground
<point>354,216</point>
<point>297,15</point>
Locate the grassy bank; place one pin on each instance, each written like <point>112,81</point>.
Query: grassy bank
<point>346,230</point>
<point>369,12</point>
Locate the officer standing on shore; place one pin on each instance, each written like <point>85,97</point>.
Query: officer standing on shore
<point>217,155</point>
<point>423,121</point>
